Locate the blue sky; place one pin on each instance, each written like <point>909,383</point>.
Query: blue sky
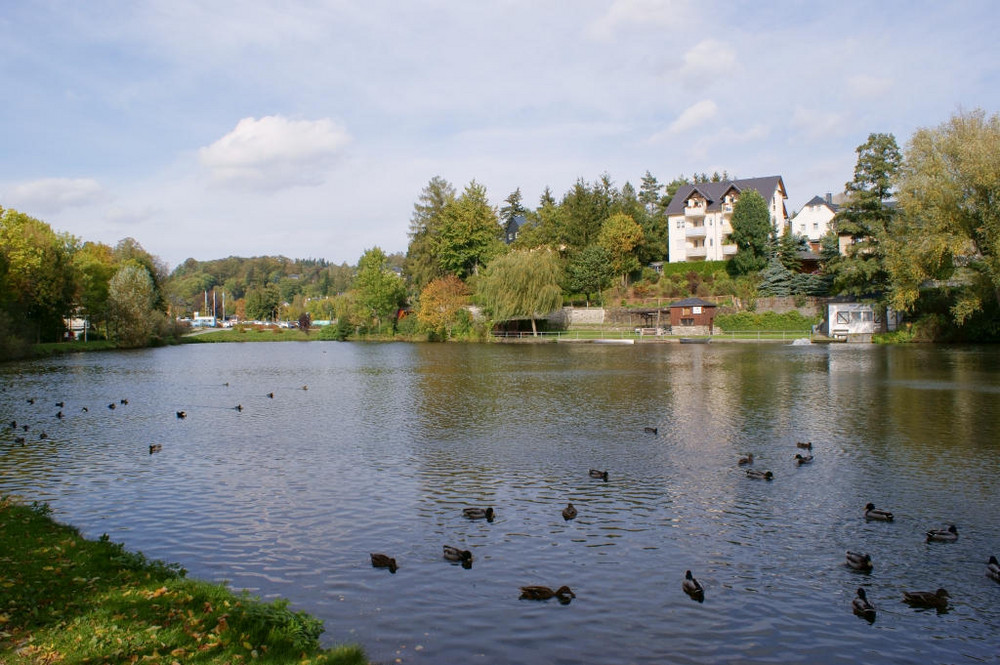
<point>209,128</point>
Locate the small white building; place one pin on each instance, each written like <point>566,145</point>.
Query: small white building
<point>856,321</point>
<point>814,219</point>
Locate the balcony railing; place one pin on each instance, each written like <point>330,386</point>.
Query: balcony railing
<point>696,251</point>
<point>728,250</point>
<point>695,231</point>
<point>694,211</point>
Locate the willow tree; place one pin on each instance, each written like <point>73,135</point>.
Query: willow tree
<point>949,225</point>
<point>522,284</point>
<point>131,304</point>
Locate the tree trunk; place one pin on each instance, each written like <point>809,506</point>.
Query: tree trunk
<point>534,331</point>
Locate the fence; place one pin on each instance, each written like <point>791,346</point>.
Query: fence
<point>635,335</point>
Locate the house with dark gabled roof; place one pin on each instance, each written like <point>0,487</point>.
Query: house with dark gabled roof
<point>814,219</point>
<point>513,228</point>
<point>700,215</point>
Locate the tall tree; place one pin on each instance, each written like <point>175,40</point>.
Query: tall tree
<point>522,284</point>
<point>949,197</point>
<point>131,300</point>
<point>380,291</point>
<point>94,266</point>
<point>470,234</point>
<point>37,285</point>
<point>620,236</point>
<point>866,219</point>
<point>513,207</point>
<point>590,271</point>
<point>262,303</point>
<point>422,264</point>
<point>751,223</point>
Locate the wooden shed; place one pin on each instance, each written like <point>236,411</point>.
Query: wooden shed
<point>692,316</point>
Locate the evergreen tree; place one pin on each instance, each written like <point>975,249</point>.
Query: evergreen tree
<point>751,221</point>
<point>776,279</point>
<point>470,235</point>
<point>422,262</point>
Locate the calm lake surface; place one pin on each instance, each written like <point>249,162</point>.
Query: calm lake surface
<point>391,441</point>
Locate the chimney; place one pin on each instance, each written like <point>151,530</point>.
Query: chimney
<point>829,198</point>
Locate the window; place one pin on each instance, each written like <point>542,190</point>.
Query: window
<point>687,322</point>
<point>843,317</point>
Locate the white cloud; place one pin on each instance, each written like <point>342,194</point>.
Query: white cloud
<point>52,195</point>
<point>817,124</point>
<point>693,116</point>
<point>275,152</point>
<point>624,13</point>
<point>867,86</point>
<point>707,60</point>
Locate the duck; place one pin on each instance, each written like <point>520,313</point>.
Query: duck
<point>112,406</point>
<point>478,513</point>
<point>804,444</point>
<point>651,430</point>
<point>948,535</point>
<point>569,512</point>
<point>60,404</point>
<point>759,475</point>
<point>155,448</point>
<point>938,599</point>
<point>380,560</point>
<point>123,401</point>
<point>238,407</point>
<point>182,414</point>
<point>603,475</point>
<point>993,569</point>
<point>803,459</point>
<point>19,440</point>
<point>460,556</point>
<point>31,400</point>
<point>270,395</point>
<point>564,594</point>
<point>305,387</point>
<point>860,561</point>
<point>59,415</point>
<point>43,435</point>
<point>862,606</point>
<point>873,513</point>
<point>84,409</point>
<point>746,459</point>
<point>692,587</point>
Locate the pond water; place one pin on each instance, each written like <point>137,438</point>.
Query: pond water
<point>378,448</point>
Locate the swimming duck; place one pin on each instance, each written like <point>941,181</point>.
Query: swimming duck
<point>305,387</point>
<point>478,513</point>
<point>123,401</point>
<point>19,439</point>
<point>43,435</point>
<point>804,444</point>
<point>651,430</point>
<point>603,475</point>
<point>948,535</point>
<point>112,406</point>
<point>60,404</point>
<point>564,594</point>
<point>862,607</point>
<point>461,556</point>
<point>759,475</point>
<point>993,569</point>
<point>748,459</point>
<point>59,415</point>
<point>238,407</point>
<point>803,459</point>
<point>181,414</point>
<point>692,587</point>
<point>155,448</point>
<point>384,561</point>
<point>31,400</point>
<point>859,561</point>
<point>938,599</point>
<point>270,395</point>
<point>873,513</point>
<point>569,512</point>
<point>84,409</point>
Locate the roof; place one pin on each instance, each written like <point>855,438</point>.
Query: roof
<point>693,302</point>
<point>820,201</point>
<point>715,191</point>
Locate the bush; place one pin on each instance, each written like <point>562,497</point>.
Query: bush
<point>752,321</point>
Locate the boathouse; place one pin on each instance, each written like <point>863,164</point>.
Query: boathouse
<point>692,316</point>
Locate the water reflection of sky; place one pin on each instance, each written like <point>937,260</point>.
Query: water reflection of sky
<point>387,443</point>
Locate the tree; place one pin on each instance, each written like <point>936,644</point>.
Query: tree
<point>422,264</point>
<point>262,303</point>
<point>866,219</point>
<point>440,303</point>
<point>751,223</point>
<point>380,291</point>
<point>131,299</point>
<point>470,235</point>
<point>776,279</point>
<point>36,285</point>
<point>590,271</point>
<point>949,226</point>
<point>788,247</point>
<point>620,236</point>
<point>305,322</point>
<point>513,208</point>
<point>522,284</point>
<point>94,266</point>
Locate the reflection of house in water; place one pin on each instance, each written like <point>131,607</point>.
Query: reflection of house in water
<point>855,321</point>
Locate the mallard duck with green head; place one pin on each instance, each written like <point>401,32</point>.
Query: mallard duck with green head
<point>563,594</point>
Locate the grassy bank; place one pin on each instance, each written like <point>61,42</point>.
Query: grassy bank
<point>67,599</point>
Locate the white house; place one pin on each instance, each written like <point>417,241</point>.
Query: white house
<point>699,216</point>
<point>813,220</point>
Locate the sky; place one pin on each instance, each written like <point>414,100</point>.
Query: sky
<point>211,128</point>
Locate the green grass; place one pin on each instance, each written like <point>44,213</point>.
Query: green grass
<point>67,599</point>
<point>248,334</point>
<point>47,349</point>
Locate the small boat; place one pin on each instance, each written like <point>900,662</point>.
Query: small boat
<point>695,340</point>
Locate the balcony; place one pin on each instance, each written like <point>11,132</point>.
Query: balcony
<point>727,208</point>
<point>696,251</point>
<point>695,231</point>
<point>694,211</point>
<point>728,250</point>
